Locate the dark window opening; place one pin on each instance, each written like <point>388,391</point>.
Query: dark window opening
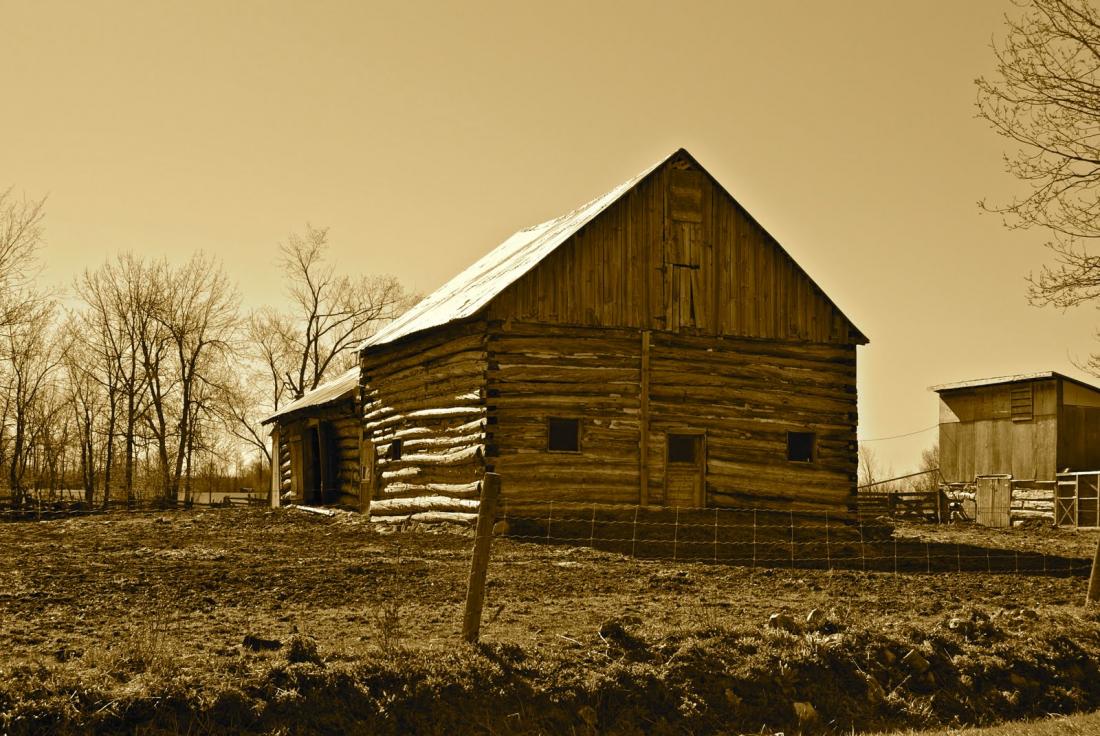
<point>394,452</point>
<point>800,447</point>
<point>564,435</point>
<point>682,448</point>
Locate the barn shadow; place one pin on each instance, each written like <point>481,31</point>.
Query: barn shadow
<point>771,539</point>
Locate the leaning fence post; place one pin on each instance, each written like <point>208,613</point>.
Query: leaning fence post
<point>1094,577</point>
<point>479,564</point>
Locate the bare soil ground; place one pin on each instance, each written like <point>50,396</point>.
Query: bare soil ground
<point>233,620</point>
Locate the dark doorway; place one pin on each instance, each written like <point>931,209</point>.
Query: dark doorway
<point>319,480</point>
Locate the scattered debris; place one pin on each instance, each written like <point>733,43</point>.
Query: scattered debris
<point>313,510</point>
<point>805,712</point>
<point>783,622</point>
<point>916,662</point>
<point>259,644</point>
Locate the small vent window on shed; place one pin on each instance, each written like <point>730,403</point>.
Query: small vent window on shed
<point>564,435</point>
<point>800,447</point>
<point>1023,403</point>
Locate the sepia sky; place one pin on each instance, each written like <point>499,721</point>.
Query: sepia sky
<point>423,134</point>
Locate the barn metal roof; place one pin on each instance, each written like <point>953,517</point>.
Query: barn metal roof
<point>1016,378</point>
<point>465,294</point>
<point>326,393</point>
<point>471,290</point>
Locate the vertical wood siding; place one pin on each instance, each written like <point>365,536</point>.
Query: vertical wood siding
<point>650,263</point>
<point>979,437</point>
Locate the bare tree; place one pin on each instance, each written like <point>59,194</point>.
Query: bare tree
<point>237,405</point>
<point>198,312</point>
<point>870,470</point>
<point>332,312</point>
<point>292,352</point>
<point>86,396</point>
<point>31,357</point>
<point>1045,100</point>
<point>20,237</point>
<point>114,327</point>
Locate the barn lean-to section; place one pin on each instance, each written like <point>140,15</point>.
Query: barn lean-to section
<point>315,440</point>
<point>655,347</point>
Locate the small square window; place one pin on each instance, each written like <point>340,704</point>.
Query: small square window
<point>800,447</point>
<point>682,448</point>
<point>564,435</point>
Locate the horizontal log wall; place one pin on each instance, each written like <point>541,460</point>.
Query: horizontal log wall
<point>284,462</point>
<point>537,372</point>
<point>744,395</point>
<point>429,393</point>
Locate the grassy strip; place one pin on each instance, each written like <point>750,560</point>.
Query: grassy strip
<point>823,678</point>
<point>1078,725</point>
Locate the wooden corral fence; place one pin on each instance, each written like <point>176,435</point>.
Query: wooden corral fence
<point>880,499</point>
<point>1077,500</point>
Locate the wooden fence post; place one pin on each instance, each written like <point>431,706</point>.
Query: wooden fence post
<point>1094,577</point>
<point>479,564</point>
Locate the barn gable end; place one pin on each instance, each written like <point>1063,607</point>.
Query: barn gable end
<point>677,252</point>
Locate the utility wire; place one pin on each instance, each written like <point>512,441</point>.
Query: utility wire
<point>898,436</point>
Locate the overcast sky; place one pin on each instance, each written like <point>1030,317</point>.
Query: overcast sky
<point>423,134</point>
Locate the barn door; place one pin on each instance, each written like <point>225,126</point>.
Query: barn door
<point>685,300</point>
<point>993,501</point>
<point>685,456</point>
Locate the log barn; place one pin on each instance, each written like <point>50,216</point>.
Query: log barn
<point>315,445</point>
<point>655,346</point>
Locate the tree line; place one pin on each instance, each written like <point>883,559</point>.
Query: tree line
<point>145,379</point>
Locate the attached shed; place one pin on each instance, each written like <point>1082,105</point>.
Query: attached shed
<point>655,346</point>
<point>1028,426</point>
<point>316,441</point>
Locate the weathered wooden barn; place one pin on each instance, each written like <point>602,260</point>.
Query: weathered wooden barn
<point>1022,447</point>
<point>1027,426</point>
<point>655,346</point>
<point>315,440</point>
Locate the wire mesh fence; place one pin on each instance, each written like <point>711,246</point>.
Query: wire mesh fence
<point>765,538</point>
